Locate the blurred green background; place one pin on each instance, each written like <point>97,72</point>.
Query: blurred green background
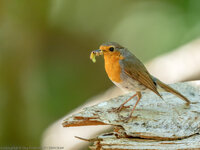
<point>45,70</point>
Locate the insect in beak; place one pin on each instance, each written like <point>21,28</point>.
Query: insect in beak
<point>95,53</point>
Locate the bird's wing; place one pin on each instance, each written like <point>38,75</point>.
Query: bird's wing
<point>134,68</point>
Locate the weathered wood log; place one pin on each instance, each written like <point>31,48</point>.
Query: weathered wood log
<point>155,124</point>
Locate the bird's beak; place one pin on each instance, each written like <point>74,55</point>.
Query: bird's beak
<point>98,52</point>
<point>95,53</point>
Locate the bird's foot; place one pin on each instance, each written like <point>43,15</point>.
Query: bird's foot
<point>120,108</point>
<point>127,119</point>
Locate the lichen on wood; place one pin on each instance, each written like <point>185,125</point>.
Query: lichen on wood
<point>155,123</point>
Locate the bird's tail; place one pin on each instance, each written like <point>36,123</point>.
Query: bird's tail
<point>173,91</point>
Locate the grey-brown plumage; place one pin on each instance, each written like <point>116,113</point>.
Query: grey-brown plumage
<point>135,69</point>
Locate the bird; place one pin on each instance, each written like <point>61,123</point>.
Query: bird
<point>127,72</point>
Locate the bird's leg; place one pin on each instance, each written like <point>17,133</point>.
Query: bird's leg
<point>122,105</point>
<point>139,95</point>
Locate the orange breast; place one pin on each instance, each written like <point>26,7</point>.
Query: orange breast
<point>112,67</point>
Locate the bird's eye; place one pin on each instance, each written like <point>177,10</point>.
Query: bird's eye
<point>111,49</point>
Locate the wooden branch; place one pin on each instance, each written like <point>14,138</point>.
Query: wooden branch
<point>155,123</point>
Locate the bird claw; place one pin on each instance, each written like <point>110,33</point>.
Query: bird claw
<point>127,119</point>
<point>118,109</point>
<point>124,119</point>
<point>121,107</point>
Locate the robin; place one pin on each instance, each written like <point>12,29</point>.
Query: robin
<point>126,71</point>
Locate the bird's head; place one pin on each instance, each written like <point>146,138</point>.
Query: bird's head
<point>109,49</point>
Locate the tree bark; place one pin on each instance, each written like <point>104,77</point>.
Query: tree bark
<point>155,124</point>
